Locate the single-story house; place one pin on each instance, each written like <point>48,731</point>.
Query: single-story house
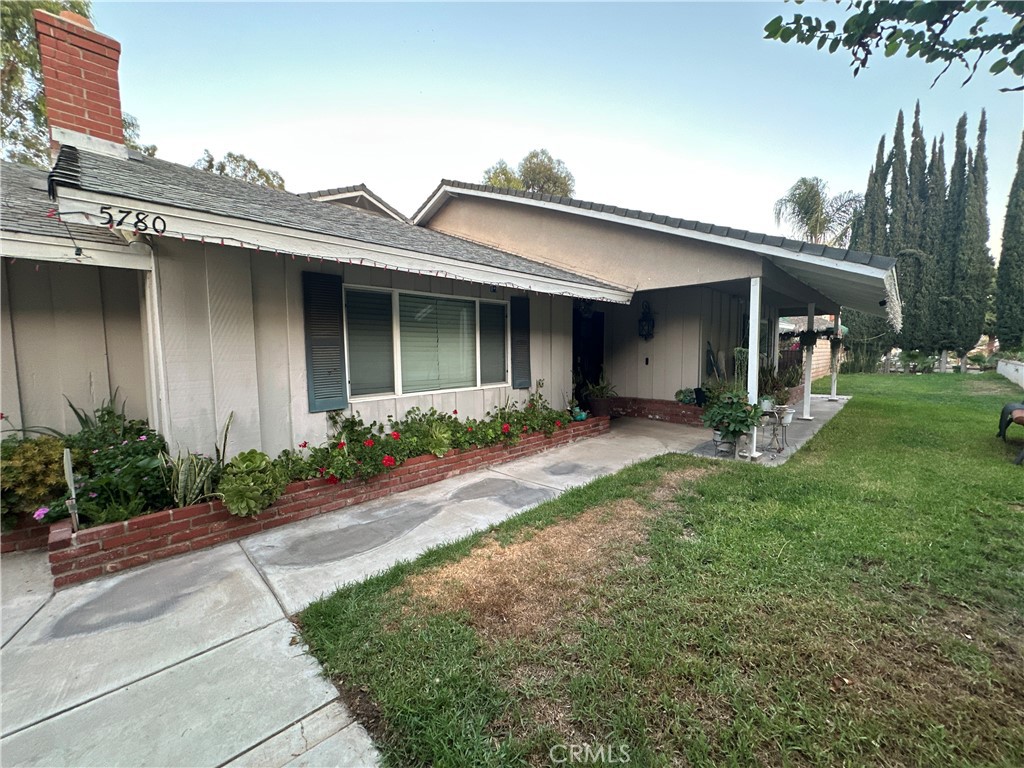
<point>195,296</point>
<point>700,283</point>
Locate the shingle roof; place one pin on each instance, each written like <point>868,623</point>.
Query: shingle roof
<point>158,181</point>
<point>754,238</point>
<point>25,208</point>
<point>361,189</point>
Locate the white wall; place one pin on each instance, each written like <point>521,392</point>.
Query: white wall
<point>685,319</point>
<point>69,330</point>
<point>1012,370</point>
<point>233,341</point>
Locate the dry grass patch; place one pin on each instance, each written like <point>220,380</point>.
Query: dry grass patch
<point>677,481</point>
<point>523,587</point>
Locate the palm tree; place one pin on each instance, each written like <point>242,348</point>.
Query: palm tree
<point>814,215</point>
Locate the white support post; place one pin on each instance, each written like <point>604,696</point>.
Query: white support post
<point>835,358</point>
<point>753,347</point>
<point>774,330</point>
<point>808,364</point>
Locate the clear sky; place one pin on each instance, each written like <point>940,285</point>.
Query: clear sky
<point>675,108</point>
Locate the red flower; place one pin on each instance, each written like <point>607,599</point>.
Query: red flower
<point>469,429</point>
<point>368,442</point>
<point>506,428</point>
<point>320,471</point>
<point>558,422</point>
<point>525,428</point>
<point>304,444</point>
<point>388,461</point>
<point>341,446</point>
<point>455,412</point>
<point>396,436</point>
<point>332,479</point>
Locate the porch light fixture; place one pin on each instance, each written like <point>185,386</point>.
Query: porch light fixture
<point>646,324</point>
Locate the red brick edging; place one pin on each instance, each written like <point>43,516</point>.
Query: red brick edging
<point>27,534</point>
<point>671,411</point>
<point>114,547</point>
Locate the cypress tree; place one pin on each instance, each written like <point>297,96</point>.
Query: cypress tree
<point>1010,276</point>
<point>869,337</point>
<point>916,277</point>
<point>935,205</point>
<point>952,269</point>
<point>977,261</point>
<point>917,177</point>
<point>899,202</point>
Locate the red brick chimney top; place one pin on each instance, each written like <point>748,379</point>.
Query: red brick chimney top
<point>79,78</point>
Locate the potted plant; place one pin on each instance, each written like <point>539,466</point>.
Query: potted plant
<point>732,416</point>
<point>600,396</point>
<point>781,399</point>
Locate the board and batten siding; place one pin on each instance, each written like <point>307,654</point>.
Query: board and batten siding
<point>233,340</point>
<point>674,358</point>
<point>69,330</point>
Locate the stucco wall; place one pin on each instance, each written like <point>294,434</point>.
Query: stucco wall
<point>69,330</point>
<point>233,341</point>
<point>608,251</point>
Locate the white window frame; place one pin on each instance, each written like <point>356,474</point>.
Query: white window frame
<point>396,336</point>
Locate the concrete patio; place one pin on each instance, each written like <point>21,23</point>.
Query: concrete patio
<point>194,662</point>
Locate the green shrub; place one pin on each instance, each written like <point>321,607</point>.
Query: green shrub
<point>251,483</point>
<point>33,475</point>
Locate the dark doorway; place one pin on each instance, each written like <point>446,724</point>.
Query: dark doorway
<point>587,345</point>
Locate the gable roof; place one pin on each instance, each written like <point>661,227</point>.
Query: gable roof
<point>358,195</point>
<point>820,266</point>
<point>210,205</point>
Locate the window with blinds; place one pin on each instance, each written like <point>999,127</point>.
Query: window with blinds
<point>493,355</point>
<point>438,343</point>
<point>371,356</point>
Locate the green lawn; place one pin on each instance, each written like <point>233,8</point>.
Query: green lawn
<point>862,604</point>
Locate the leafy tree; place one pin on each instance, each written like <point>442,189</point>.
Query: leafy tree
<point>814,215</point>
<point>239,166</point>
<point>537,172</point>
<point>24,137</point>
<point>132,137</point>
<point>1010,275</point>
<point>501,175</point>
<point>931,30</point>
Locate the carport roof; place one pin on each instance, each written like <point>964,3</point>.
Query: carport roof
<point>851,278</point>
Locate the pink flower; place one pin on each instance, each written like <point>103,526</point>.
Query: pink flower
<point>395,436</point>
<point>388,461</point>
<point>304,444</point>
<point>40,513</point>
<point>124,442</point>
<point>469,429</point>
<point>332,480</point>
<point>506,428</point>
<point>143,437</point>
<point>93,495</point>
<point>95,450</point>
<point>368,442</point>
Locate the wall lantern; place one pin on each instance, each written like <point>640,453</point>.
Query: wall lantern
<point>646,324</point>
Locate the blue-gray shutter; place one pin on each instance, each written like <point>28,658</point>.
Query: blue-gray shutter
<point>519,322</point>
<point>325,344</point>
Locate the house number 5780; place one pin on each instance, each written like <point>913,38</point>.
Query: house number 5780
<point>142,221</point>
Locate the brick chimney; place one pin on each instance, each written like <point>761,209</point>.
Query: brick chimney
<point>80,83</point>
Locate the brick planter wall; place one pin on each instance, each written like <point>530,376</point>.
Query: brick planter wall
<point>114,547</point>
<point>659,410</point>
<point>27,534</point>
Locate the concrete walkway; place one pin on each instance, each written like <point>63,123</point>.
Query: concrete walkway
<point>193,661</point>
